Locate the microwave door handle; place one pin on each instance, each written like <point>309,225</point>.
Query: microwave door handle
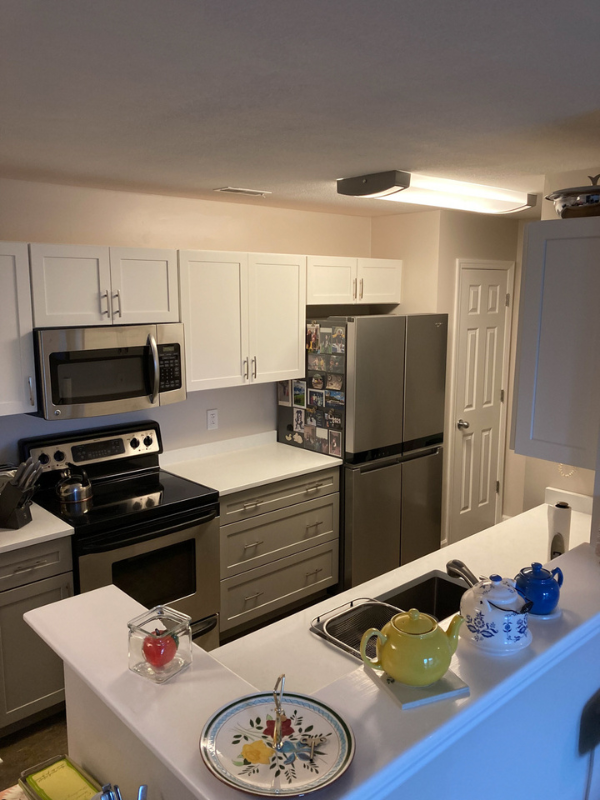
<point>155,368</point>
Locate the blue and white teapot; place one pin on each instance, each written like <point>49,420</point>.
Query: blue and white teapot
<point>495,616</point>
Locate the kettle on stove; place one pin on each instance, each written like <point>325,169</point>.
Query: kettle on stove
<point>74,485</point>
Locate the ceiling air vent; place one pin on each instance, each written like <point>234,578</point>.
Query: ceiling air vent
<point>247,192</point>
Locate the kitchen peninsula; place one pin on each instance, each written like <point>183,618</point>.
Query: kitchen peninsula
<point>517,731</point>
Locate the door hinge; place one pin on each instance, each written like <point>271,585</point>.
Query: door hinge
<point>507,301</point>
<point>501,395</point>
<point>497,487</point>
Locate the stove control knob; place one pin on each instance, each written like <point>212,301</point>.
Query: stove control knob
<point>148,441</point>
<point>135,443</point>
<point>59,455</point>
<point>44,458</point>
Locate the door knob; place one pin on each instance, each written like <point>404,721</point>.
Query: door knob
<point>462,424</point>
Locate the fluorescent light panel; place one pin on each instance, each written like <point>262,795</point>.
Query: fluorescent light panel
<point>404,187</point>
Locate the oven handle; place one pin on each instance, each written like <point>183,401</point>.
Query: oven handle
<point>204,626</point>
<point>155,367</point>
<point>90,547</point>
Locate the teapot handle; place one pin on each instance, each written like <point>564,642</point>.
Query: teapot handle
<point>363,647</point>
<point>558,572</point>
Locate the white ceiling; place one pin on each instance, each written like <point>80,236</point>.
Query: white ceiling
<point>184,96</point>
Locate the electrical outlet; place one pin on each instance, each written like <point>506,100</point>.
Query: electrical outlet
<point>212,419</point>
<point>589,727</point>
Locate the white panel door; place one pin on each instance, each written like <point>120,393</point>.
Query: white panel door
<point>379,280</point>
<point>557,411</point>
<point>145,287</point>
<point>214,311</point>
<point>70,285</point>
<point>277,316</point>
<point>330,280</point>
<point>17,387</point>
<point>481,328</point>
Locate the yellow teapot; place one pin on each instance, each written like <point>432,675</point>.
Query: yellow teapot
<point>412,648</point>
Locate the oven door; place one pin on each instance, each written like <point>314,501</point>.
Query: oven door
<point>91,372</point>
<point>176,566</point>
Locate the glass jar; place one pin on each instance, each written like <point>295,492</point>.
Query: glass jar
<point>160,643</point>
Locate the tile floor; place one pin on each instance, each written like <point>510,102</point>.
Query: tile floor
<point>31,746</point>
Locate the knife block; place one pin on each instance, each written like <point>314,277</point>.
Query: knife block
<point>15,509</point>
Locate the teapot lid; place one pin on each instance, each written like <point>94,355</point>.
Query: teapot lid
<point>501,591</point>
<point>536,572</point>
<point>414,622</point>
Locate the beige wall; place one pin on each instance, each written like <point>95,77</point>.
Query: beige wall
<point>38,212</point>
<point>417,238</point>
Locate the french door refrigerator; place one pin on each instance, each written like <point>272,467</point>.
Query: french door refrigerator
<point>389,409</point>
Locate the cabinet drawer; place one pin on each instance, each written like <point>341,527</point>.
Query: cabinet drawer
<point>33,563</point>
<point>279,494</point>
<point>264,589</point>
<point>254,542</point>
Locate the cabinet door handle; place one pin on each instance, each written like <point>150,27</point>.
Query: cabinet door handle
<point>246,369</point>
<point>23,568</point>
<point>117,296</point>
<point>354,289</point>
<point>361,288</point>
<point>314,572</point>
<point>252,596</point>
<point>251,506</point>
<point>314,488</point>
<point>103,296</point>
<point>254,368</point>
<point>31,397</point>
<point>316,524</point>
<point>253,544</point>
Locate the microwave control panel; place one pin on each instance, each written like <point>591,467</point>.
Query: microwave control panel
<point>169,361</point>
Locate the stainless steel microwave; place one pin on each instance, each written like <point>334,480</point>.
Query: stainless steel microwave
<point>90,372</point>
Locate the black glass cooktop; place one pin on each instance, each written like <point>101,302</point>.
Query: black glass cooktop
<point>124,501</point>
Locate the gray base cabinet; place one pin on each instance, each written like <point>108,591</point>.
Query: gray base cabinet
<point>31,674</point>
<point>282,547</point>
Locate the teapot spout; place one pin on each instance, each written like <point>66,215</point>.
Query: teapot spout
<point>452,633</point>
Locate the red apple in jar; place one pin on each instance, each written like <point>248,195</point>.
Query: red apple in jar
<point>159,648</point>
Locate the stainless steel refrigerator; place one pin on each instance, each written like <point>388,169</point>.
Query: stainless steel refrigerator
<point>374,394</point>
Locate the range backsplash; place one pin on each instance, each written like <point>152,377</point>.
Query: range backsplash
<point>310,411</point>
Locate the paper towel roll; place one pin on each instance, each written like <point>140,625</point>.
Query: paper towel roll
<point>559,528</point>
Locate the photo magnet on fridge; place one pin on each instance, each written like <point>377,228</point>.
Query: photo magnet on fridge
<point>299,420</point>
<point>316,398</point>
<point>312,337</point>
<point>300,393</point>
<point>284,393</point>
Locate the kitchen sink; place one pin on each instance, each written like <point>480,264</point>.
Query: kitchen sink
<point>434,593</point>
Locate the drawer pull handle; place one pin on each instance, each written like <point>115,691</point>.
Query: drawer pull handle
<point>251,506</point>
<point>316,524</point>
<point>252,596</point>
<point>23,568</point>
<point>253,544</point>
<point>314,572</point>
<point>315,488</point>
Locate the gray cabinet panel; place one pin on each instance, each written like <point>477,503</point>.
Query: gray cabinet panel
<point>31,674</point>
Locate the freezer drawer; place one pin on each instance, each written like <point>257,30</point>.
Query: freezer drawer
<point>373,496</point>
<point>421,505</point>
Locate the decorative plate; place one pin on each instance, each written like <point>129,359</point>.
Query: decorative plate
<point>237,745</point>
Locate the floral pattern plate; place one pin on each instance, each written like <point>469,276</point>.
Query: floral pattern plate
<point>237,745</point>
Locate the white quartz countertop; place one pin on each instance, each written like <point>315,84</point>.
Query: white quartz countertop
<point>43,526</point>
<point>244,463</point>
<point>390,742</point>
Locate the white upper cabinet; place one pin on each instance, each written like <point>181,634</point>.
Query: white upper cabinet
<point>144,285</point>
<point>83,285</point>
<point>243,316</point>
<point>557,396</point>
<point>277,316</point>
<point>379,280</point>
<point>332,280</point>
<point>214,312</point>
<point>17,387</point>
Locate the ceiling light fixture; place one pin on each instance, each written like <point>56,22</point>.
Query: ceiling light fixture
<point>407,187</point>
<point>247,192</point>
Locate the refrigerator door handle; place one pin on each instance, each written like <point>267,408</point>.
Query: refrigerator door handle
<point>434,451</point>
<point>382,463</point>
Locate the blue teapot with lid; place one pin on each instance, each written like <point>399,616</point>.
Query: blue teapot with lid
<point>540,586</point>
